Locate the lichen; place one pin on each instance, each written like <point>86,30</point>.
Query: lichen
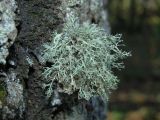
<point>15,104</point>
<point>8,31</point>
<point>82,58</point>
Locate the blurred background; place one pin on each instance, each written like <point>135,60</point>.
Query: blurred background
<point>138,94</point>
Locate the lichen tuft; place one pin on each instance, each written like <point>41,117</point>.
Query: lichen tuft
<point>82,58</point>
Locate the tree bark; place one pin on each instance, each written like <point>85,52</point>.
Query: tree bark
<point>35,21</point>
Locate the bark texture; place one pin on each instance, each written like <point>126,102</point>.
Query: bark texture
<point>37,19</point>
<point>8,31</point>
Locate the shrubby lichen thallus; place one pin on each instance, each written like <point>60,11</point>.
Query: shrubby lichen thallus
<point>82,58</point>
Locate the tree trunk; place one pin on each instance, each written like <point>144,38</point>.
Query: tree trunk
<point>33,22</point>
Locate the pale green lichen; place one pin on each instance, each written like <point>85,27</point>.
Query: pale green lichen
<point>82,58</point>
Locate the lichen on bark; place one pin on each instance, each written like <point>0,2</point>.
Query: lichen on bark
<point>82,57</point>
<point>38,19</point>
<point>8,31</point>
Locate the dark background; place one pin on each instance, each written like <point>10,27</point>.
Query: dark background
<point>138,96</point>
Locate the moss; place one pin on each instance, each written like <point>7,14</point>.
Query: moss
<point>2,94</point>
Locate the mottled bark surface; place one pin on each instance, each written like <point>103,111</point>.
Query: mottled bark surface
<point>37,20</point>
